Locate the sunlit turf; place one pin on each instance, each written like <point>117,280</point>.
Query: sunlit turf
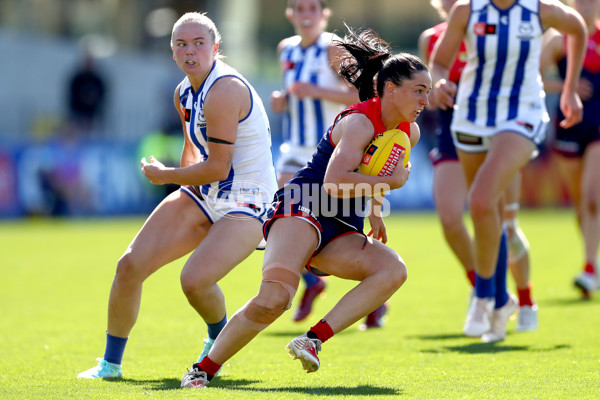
<point>56,276</point>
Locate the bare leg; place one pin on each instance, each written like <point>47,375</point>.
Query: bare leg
<point>518,250</point>
<point>291,242</point>
<point>489,175</point>
<point>228,242</point>
<point>173,229</point>
<point>590,207</point>
<point>450,195</point>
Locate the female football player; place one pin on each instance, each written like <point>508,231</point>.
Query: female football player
<point>312,95</point>
<point>303,232</point>
<point>227,180</point>
<point>499,118</point>
<point>578,148</point>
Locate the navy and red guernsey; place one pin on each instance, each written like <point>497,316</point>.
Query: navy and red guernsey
<point>310,201</point>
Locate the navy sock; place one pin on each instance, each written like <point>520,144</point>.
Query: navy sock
<point>501,269</point>
<point>484,287</point>
<point>115,347</point>
<point>215,329</point>
<point>310,279</point>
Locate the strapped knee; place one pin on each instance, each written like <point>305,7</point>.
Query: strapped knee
<point>259,316</point>
<point>517,244</point>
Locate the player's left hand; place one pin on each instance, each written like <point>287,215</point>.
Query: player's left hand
<point>153,170</point>
<point>378,230</point>
<point>572,109</point>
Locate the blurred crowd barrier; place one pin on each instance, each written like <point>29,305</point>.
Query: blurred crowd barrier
<point>67,177</point>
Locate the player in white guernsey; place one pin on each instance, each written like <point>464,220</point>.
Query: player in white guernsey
<point>227,180</point>
<point>313,94</point>
<point>498,120</point>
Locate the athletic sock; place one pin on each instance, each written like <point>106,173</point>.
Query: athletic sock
<point>471,277</point>
<point>310,279</point>
<point>525,296</point>
<point>115,347</point>
<point>590,268</point>
<point>215,329</point>
<point>484,287</point>
<point>321,331</point>
<point>501,270</point>
<point>209,366</point>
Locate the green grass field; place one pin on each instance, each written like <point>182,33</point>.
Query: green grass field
<point>56,275</point>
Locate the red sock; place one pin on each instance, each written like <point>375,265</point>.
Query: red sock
<point>322,330</point>
<point>471,277</point>
<point>590,268</point>
<point>209,366</point>
<point>525,296</point>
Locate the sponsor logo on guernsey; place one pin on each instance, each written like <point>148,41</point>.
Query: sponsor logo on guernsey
<point>392,160</point>
<point>288,65</point>
<point>468,139</point>
<point>307,210</point>
<point>187,113</point>
<point>482,29</point>
<point>526,125</point>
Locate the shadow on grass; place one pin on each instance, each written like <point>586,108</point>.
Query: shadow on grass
<point>439,336</point>
<point>569,302</point>
<point>174,383</point>
<point>479,348</point>
<point>293,334</point>
<point>361,390</point>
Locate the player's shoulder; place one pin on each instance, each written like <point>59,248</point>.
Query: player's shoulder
<point>289,41</point>
<point>329,38</point>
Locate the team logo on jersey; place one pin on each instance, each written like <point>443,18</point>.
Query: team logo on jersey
<point>482,29</point>
<point>369,154</point>
<point>525,30</point>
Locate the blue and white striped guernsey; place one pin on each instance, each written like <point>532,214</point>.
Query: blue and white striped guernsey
<point>501,80</point>
<point>307,120</point>
<point>252,169</point>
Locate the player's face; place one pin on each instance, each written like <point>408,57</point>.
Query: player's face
<point>411,97</point>
<point>308,17</point>
<point>194,49</point>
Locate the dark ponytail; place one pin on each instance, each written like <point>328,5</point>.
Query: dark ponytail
<point>367,56</point>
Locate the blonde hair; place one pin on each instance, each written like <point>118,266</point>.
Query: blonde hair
<point>201,19</point>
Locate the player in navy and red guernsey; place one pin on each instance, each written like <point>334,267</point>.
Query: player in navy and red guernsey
<point>578,148</point>
<point>304,230</point>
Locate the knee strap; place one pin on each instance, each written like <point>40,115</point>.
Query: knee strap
<point>257,316</point>
<point>284,276</point>
<point>518,245</point>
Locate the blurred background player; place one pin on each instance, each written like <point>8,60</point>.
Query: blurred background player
<point>450,189</point>
<point>226,177</point>
<point>578,148</point>
<point>499,119</point>
<point>312,96</point>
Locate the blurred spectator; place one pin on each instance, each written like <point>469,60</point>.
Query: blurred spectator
<point>86,96</point>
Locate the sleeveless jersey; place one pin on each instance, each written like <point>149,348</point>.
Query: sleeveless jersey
<point>591,72</point>
<point>501,80</point>
<point>461,58</point>
<point>306,119</point>
<point>252,171</point>
<point>314,171</point>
